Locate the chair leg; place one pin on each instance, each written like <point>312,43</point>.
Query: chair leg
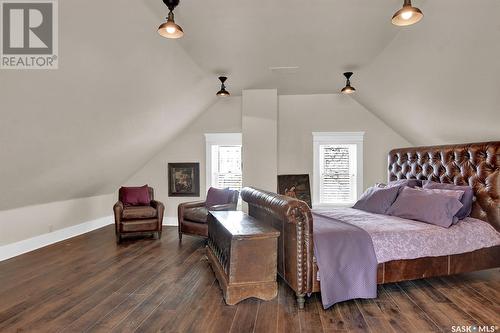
<point>159,234</point>
<point>301,299</point>
<point>118,238</point>
<point>180,236</point>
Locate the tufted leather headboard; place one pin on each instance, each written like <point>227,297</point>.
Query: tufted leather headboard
<point>473,164</point>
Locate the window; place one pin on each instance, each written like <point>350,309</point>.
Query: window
<point>338,168</point>
<point>226,166</point>
<point>223,160</point>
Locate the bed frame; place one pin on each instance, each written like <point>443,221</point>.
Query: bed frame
<point>474,164</point>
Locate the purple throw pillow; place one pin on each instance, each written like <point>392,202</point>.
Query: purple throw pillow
<point>217,196</point>
<point>405,182</point>
<point>450,193</point>
<point>135,196</point>
<point>377,199</point>
<point>433,208</point>
<point>466,200</point>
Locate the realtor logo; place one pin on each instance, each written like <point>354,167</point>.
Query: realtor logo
<point>29,34</point>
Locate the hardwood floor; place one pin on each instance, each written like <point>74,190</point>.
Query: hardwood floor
<point>90,284</point>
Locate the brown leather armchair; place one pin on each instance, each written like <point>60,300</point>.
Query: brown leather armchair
<point>193,216</point>
<point>138,220</point>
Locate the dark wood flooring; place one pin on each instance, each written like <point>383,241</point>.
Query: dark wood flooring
<point>90,284</point>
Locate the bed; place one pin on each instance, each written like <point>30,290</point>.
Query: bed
<point>474,164</point>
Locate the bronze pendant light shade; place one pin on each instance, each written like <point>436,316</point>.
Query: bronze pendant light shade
<point>223,92</point>
<point>170,29</point>
<point>348,89</point>
<point>407,15</point>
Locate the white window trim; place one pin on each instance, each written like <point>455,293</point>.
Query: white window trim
<point>336,138</point>
<point>217,139</point>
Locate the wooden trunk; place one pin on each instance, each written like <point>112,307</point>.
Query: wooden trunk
<point>242,252</point>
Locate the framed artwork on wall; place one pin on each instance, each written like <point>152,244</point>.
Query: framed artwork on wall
<point>183,179</point>
<point>295,186</point>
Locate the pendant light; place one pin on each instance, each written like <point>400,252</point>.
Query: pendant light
<point>407,15</point>
<point>223,92</point>
<point>348,89</point>
<point>170,29</point>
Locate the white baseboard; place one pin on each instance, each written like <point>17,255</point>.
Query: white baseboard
<point>170,221</point>
<point>12,250</point>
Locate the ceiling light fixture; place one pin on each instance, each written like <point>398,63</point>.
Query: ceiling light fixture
<point>170,29</point>
<point>348,89</point>
<point>407,15</point>
<point>223,92</point>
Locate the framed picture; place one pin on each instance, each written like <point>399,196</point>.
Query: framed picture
<point>295,186</point>
<point>183,179</point>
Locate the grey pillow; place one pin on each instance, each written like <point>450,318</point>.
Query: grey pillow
<point>466,200</point>
<point>433,208</point>
<point>377,199</point>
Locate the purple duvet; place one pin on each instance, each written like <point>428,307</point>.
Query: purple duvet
<point>346,260</point>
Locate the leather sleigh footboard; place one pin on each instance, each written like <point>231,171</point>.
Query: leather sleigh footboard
<point>293,219</point>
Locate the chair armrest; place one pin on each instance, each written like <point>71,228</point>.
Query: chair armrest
<point>118,212</point>
<point>186,205</point>
<point>192,204</point>
<point>160,209</point>
<point>158,205</point>
<point>229,206</point>
<point>118,209</point>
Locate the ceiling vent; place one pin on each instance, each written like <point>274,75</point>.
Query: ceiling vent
<point>284,69</point>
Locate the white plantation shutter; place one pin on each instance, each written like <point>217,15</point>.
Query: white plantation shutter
<point>337,173</point>
<point>337,168</point>
<point>226,166</point>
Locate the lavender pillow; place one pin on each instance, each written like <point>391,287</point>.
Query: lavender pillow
<point>457,194</point>
<point>217,196</point>
<point>466,200</point>
<point>377,199</point>
<point>451,193</point>
<point>433,208</point>
<point>405,182</point>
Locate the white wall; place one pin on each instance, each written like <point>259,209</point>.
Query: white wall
<point>30,221</point>
<point>188,146</point>
<point>260,135</point>
<point>120,93</point>
<point>298,117</point>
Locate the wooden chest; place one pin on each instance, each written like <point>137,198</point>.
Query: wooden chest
<point>242,252</point>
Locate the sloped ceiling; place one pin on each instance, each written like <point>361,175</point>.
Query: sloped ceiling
<point>120,93</point>
<point>322,37</point>
<point>434,82</point>
<point>439,81</point>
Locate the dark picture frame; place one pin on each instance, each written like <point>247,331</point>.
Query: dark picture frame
<point>183,179</point>
<point>295,186</point>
